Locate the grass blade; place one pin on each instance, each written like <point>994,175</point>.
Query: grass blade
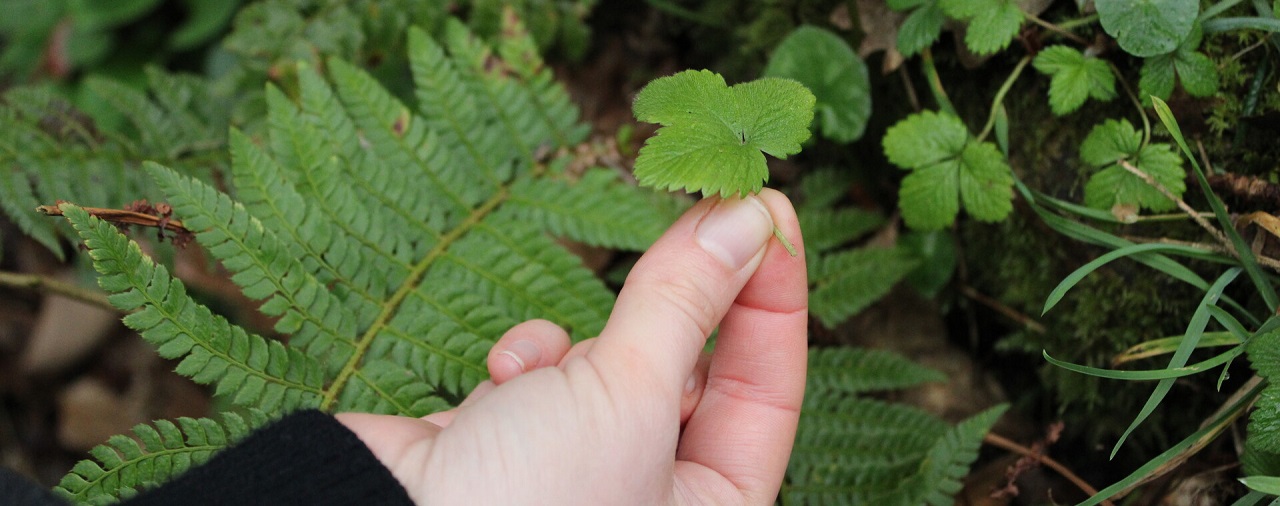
<point>1219,210</point>
<point>1157,374</point>
<point>1075,277</point>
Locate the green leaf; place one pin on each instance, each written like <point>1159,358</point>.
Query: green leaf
<point>1115,141</point>
<point>826,64</point>
<point>1199,75</point>
<point>849,281</point>
<point>992,23</point>
<point>712,135</point>
<point>1269,485</point>
<point>920,29</point>
<point>947,169</point>
<point>1264,423</point>
<point>937,253</point>
<point>1147,28</point>
<point>1075,78</point>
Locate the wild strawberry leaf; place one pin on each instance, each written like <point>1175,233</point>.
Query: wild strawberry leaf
<point>1147,27</point>
<point>992,23</point>
<point>712,135</point>
<point>1116,141</point>
<point>948,167</point>
<point>825,63</point>
<point>1199,75</point>
<point>1075,78</point>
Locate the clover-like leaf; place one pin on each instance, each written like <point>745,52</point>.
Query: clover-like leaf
<point>921,28</point>
<point>1076,77</point>
<point>1147,27</point>
<point>712,135</point>
<point>948,168</point>
<point>1197,72</point>
<point>1116,141</point>
<point>992,23</point>
<point>835,74</point>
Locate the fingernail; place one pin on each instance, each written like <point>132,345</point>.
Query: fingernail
<point>735,230</point>
<point>524,353</point>
<point>690,385</point>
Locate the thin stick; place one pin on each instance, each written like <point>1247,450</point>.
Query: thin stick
<point>122,216</point>
<point>53,286</point>
<point>1007,444</point>
<point>1007,311</point>
<point>1217,234</point>
<point>1057,29</point>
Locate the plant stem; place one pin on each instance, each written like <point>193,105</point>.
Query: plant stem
<point>1142,111</point>
<point>1227,24</point>
<point>1057,29</point>
<point>791,248</point>
<point>1217,9</point>
<point>1004,89</point>
<point>1072,23</point>
<point>53,286</point>
<point>935,84</point>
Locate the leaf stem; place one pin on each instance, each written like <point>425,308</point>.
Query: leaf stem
<point>53,286</point>
<point>999,98</point>
<point>1142,111</point>
<point>935,84</point>
<point>1057,29</point>
<point>1072,23</point>
<point>791,248</point>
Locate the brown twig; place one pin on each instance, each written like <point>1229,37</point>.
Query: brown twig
<point>1003,309</point>
<point>1217,234</point>
<point>137,213</point>
<point>49,285</point>
<point>1007,444</point>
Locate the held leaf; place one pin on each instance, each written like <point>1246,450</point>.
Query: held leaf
<point>712,135</point>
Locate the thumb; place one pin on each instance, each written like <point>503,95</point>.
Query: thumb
<point>681,289</point>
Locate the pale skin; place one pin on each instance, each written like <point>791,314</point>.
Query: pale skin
<point>637,415</point>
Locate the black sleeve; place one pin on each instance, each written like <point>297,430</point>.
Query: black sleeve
<point>304,458</point>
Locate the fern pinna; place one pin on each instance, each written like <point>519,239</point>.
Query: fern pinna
<point>394,245</point>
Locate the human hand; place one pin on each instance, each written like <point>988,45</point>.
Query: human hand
<point>601,422</point>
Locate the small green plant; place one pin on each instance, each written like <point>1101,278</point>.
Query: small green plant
<point>712,135</point>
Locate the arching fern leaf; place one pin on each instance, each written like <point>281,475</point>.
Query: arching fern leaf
<point>854,450</point>
<point>394,245</point>
<point>155,454</point>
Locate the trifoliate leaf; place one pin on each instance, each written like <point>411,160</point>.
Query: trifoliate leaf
<point>948,168</point>
<point>1075,78</point>
<point>992,23</point>
<point>1114,141</point>
<point>1147,28</point>
<point>1197,72</point>
<point>826,64</point>
<point>920,29</point>
<point>712,135</point>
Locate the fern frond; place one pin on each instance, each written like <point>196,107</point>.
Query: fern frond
<point>823,188</point>
<point>850,280</point>
<point>849,371</point>
<point>152,456</point>
<point>17,200</point>
<point>947,463</point>
<point>852,450</point>
<point>385,387</point>
<point>827,229</point>
<point>446,101</point>
<point>520,53</point>
<point>248,368</point>
<point>599,209</point>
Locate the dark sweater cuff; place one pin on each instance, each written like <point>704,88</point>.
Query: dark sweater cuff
<point>305,458</point>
